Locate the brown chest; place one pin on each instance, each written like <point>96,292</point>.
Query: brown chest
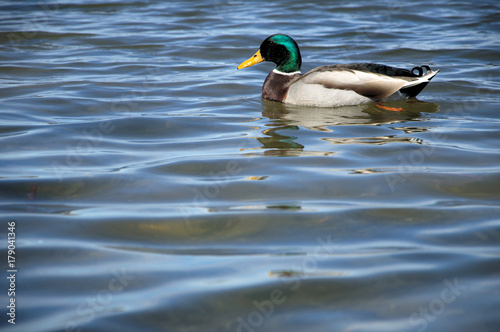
<point>276,86</point>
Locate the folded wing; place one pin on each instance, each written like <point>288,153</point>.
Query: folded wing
<point>373,81</point>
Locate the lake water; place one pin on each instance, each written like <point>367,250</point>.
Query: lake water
<point>153,190</point>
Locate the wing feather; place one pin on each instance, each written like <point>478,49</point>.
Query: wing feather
<point>371,85</point>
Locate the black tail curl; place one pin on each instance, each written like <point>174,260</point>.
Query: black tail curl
<point>421,70</point>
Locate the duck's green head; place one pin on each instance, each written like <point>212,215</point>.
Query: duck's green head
<point>280,49</point>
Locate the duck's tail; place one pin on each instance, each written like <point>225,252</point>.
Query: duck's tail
<point>414,87</point>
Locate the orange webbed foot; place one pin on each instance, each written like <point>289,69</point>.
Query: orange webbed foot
<point>394,109</point>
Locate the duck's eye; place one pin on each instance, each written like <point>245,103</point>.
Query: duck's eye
<point>255,55</point>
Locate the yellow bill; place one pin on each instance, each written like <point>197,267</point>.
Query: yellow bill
<point>255,59</point>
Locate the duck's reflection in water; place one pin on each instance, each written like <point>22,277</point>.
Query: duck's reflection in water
<point>285,121</point>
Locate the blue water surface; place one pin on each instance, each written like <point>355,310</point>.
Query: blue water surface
<point>152,189</point>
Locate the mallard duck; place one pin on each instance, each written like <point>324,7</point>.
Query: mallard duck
<point>334,85</point>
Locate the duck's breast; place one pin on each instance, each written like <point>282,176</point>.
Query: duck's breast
<point>276,85</point>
